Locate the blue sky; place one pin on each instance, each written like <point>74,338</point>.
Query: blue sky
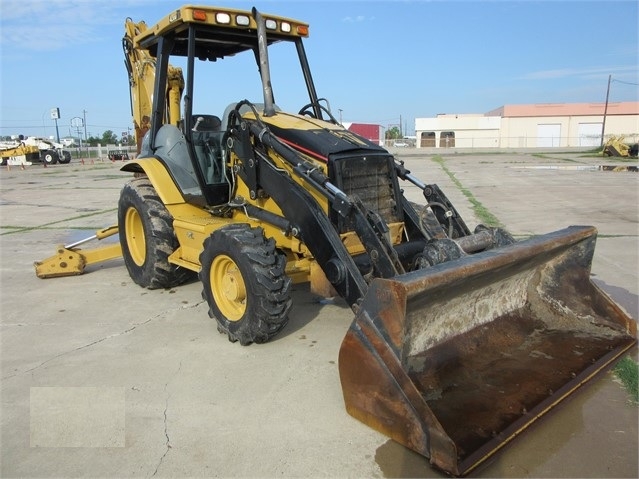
<point>376,61</point>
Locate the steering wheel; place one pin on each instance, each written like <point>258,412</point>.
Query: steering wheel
<point>305,110</point>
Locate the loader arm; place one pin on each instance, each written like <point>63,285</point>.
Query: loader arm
<point>302,210</point>
<point>314,226</point>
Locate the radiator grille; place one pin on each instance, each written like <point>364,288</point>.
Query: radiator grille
<point>371,180</point>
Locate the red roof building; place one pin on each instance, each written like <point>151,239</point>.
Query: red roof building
<point>369,131</point>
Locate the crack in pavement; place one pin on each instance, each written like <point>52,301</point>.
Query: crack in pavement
<point>166,430</point>
<point>98,341</point>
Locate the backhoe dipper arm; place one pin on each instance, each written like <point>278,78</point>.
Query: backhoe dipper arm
<point>141,68</point>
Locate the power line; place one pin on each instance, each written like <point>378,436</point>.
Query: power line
<point>626,82</point>
<point>20,127</point>
<point>31,127</point>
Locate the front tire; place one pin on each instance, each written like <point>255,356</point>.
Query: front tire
<point>147,237</point>
<point>66,158</point>
<point>244,283</point>
<point>50,157</point>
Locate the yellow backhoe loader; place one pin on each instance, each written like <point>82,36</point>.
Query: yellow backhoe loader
<point>460,339</point>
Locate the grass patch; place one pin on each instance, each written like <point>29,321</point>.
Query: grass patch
<point>599,153</point>
<point>124,174</point>
<point>18,229</point>
<point>550,157</point>
<point>595,151</point>
<point>627,371</point>
<point>60,171</point>
<point>478,153</point>
<point>482,213</point>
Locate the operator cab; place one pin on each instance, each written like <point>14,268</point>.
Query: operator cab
<point>193,147</point>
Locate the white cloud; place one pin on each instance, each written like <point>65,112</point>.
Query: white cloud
<point>578,72</point>
<point>39,25</point>
<point>47,39</point>
<point>356,19</point>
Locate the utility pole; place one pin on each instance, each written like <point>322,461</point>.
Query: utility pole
<point>84,113</point>
<point>76,122</point>
<point>603,124</point>
<point>55,114</point>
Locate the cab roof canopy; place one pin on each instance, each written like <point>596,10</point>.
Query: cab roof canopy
<point>220,32</point>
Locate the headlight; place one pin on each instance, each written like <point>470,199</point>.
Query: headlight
<point>242,20</point>
<point>224,18</point>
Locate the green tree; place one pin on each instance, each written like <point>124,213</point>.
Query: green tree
<point>393,133</point>
<point>109,138</point>
<point>92,141</point>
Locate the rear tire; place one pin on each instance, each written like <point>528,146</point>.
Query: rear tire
<point>147,237</point>
<point>50,157</point>
<point>244,284</point>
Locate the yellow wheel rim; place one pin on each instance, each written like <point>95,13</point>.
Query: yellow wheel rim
<point>135,239</point>
<point>228,288</point>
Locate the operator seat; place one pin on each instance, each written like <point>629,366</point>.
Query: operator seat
<point>207,141</point>
<point>206,123</point>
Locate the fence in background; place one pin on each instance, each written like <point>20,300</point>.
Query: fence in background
<point>101,152</point>
<point>464,140</point>
<point>494,142</point>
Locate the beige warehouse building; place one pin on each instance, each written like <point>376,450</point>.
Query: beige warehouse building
<point>531,126</point>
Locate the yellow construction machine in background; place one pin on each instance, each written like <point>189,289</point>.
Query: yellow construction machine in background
<point>616,146</point>
<point>17,153</point>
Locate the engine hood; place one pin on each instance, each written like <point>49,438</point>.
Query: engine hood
<point>319,139</point>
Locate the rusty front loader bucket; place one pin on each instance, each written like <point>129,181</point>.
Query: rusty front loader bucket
<point>455,360</point>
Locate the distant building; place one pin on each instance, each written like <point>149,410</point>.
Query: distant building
<point>530,126</point>
<point>68,142</point>
<point>369,131</point>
